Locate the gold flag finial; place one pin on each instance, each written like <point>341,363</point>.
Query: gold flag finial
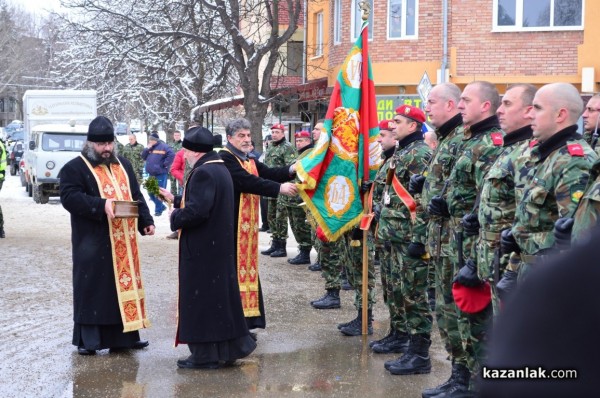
<point>365,7</point>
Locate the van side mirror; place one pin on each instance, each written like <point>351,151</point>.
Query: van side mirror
<point>32,145</point>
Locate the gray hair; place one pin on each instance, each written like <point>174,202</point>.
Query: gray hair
<point>448,92</point>
<point>89,152</point>
<point>236,125</point>
<point>488,92</point>
<point>528,94</point>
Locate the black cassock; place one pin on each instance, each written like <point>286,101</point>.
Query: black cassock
<point>266,184</point>
<point>211,318</point>
<point>96,312</point>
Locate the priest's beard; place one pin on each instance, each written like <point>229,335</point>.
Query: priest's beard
<point>89,151</point>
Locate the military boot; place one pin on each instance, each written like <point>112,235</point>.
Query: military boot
<point>270,249</point>
<point>346,285</point>
<point>388,336</point>
<point>2,234</point>
<point>354,328</point>
<point>302,258</point>
<point>398,343</point>
<point>280,250</point>
<point>330,300</point>
<point>416,360</point>
<point>315,267</point>
<point>460,387</point>
<point>442,388</point>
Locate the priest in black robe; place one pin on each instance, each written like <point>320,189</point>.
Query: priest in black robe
<point>108,311</point>
<point>210,315</point>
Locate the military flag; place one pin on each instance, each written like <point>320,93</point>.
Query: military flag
<point>348,152</point>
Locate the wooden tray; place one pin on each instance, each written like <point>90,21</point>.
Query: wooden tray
<point>125,209</point>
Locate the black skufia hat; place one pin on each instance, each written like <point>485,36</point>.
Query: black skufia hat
<point>101,130</point>
<point>198,139</point>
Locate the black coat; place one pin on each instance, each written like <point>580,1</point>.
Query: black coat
<point>210,307</point>
<point>266,184</point>
<point>94,291</point>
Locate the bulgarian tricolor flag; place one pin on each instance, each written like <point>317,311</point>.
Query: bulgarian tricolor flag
<point>348,153</point>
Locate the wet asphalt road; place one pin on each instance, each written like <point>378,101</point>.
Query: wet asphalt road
<point>300,353</point>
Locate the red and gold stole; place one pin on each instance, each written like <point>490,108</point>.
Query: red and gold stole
<point>247,245</point>
<point>114,184</point>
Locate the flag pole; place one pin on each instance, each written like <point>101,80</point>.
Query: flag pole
<point>365,7</point>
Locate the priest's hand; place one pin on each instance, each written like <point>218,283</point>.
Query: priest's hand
<point>166,194</point>
<point>288,189</point>
<point>108,208</point>
<point>149,230</point>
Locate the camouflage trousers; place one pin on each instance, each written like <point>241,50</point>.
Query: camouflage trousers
<point>354,261</point>
<point>472,327</point>
<point>331,257</point>
<point>176,189</point>
<point>446,311</point>
<point>1,216</point>
<point>300,227</point>
<point>407,291</point>
<point>277,216</point>
<point>486,258</point>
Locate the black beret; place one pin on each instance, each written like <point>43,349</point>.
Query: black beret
<point>101,130</point>
<point>198,139</point>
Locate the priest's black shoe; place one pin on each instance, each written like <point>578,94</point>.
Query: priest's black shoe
<point>188,364</point>
<point>138,345</point>
<point>85,351</point>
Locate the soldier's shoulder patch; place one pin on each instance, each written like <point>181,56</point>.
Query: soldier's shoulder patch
<point>576,196</point>
<point>533,143</point>
<point>497,139</point>
<point>575,149</point>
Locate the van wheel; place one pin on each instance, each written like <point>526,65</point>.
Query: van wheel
<point>36,193</point>
<point>30,190</point>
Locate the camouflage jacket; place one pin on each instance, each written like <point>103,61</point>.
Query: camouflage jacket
<point>133,153</point>
<point>177,145</point>
<point>591,138</point>
<point>550,180</point>
<point>588,211</point>
<point>281,153</point>
<point>296,200</point>
<point>497,205</point>
<point>482,145</point>
<point>443,158</point>
<point>395,224</point>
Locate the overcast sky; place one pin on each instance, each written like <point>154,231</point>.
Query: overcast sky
<point>38,6</point>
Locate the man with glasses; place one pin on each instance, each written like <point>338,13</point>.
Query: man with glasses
<point>108,310</point>
<point>591,117</point>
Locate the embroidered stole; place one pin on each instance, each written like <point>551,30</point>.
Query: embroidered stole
<point>114,184</point>
<point>247,245</point>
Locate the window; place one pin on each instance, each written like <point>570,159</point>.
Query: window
<point>403,18</point>
<point>319,35</point>
<point>519,15</point>
<point>294,58</point>
<point>337,22</point>
<point>63,142</point>
<point>357,20</point>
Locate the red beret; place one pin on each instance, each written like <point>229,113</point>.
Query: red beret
<point>302,134</point>
<point>412,113</point>
<point>278,127</point>
<point>472,299</point>
<point>386,125</point>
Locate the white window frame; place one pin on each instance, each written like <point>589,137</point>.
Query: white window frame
<point>353,17</point>
<point>319,35</point>
<point>403,35</point>
<point>337,22</point>
<point>519,20</point>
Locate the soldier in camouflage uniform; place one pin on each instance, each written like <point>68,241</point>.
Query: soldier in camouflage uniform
<point>296,214</point>
<point>591,120</point>
<point>133,153</point>
<point>542,193</point>
<point>280,153</point>
<point>176,146</point>
<point>388,142</point>
<point>482,143</point>
<point>497,205</point>
<point>403,222</point>
<point>331,258</point>
<point>443,114</point>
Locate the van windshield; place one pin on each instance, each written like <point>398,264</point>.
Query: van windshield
<point>63,142</point>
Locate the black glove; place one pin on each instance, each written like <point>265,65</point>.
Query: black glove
<point>415,185</point>
<point>508,243</point>
<point>438,207</point>
<point>416,250</point>
<point>365,186</point>
<point>357,234</point>
<point>470,224</point>
<point>377,212</point>
<point>467,275</point>
<point>562,232</point>
<point>506,284</point>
